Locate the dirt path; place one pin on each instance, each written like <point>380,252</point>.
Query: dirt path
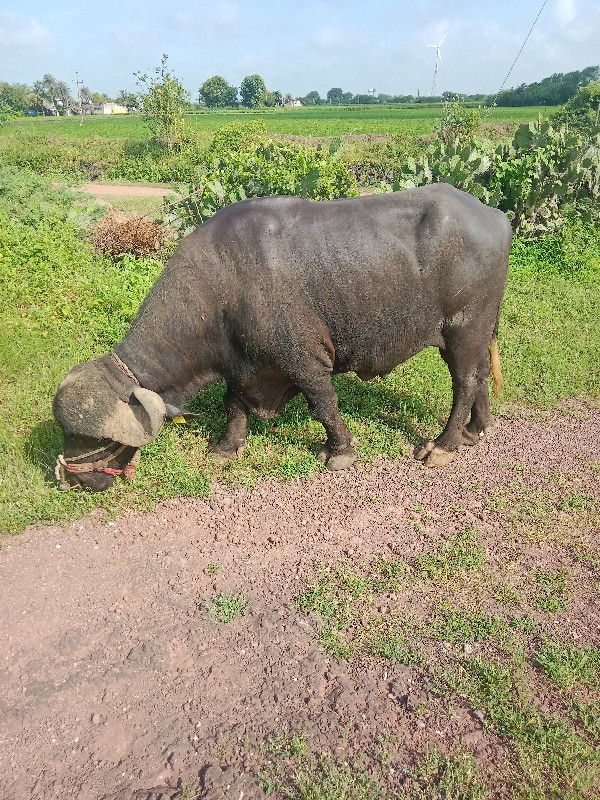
<point>117,680</point>
<point>125,190</point>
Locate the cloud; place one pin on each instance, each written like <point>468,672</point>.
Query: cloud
<point>21,33</point>
<point>565,11</point>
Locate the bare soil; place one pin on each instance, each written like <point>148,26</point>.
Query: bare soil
<point>125,190</point>
<point>119,684</point>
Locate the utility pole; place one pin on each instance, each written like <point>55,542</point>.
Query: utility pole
<point>79,84</point>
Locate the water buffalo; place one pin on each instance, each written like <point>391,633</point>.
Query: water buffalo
<point>275,295</point>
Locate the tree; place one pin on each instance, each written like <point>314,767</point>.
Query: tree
<point>164,102</point>
<point>253,91</point>
<point>16,97</point>
<point>128,99</point>
<point>312,99</point>
<point>335,96</point>
<point>217,93</point>
<point>49,88</point>
<point>273,99</point>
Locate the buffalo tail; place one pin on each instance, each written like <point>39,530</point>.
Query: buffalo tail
<point>495,368</point>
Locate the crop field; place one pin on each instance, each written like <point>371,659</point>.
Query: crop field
<point>265,628</point>
<point>311,122</point>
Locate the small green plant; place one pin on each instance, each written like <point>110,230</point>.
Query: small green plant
<point>461,552</point>
<point>164,102</point>
<point>212,570</point>
<point>187,793</point>
<point>551,590</point>
<point>568,665</point>
<point>226,607</point>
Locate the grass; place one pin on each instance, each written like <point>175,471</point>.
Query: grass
<point>567,665</point>
<point>62,303</point>
<point>226,607</point>
<point>318,121</point>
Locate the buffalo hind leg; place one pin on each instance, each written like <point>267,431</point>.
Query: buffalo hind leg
<point>234,440</point>
<point>481,418</point>
<point>338,451</point>
<point>469,368</point>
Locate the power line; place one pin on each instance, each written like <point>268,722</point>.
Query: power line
<point>520,51</point>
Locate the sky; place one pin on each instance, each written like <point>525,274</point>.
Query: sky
<point>298,45</point>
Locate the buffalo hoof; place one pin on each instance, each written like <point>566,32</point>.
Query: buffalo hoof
<point>471,438</point>
<point>221,454</point>
<point>341,460</point>
<point>433,456</point>
<point>325,455</point>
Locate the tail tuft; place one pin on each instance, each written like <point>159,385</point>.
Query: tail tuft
<point>495,368</point>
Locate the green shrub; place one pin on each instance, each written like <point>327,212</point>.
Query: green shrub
<point>458,123</point>
<point>243,162</point>
<point>542,177</point>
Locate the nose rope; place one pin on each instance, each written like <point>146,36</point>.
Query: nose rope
<point>123,367</point>
<point>63,466</point>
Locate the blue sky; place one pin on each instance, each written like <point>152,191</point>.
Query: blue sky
<point>298,45</point>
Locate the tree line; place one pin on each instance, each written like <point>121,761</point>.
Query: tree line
<point>216,92</point>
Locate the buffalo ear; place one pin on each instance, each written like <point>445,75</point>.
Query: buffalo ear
<point>138,422</point>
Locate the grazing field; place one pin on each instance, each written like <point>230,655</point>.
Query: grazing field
<point>314,122</point>
<point>265,628</point>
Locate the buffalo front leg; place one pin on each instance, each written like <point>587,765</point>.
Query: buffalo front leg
<point>338,451</point>
<point>234,440</point>
<point>469,371</point>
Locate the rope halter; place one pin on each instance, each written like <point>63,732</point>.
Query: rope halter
<point>63,466</point>
<point>128,472</point>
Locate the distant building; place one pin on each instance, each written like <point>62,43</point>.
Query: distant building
<point>292,103</point>
<point>46,109</point>
<point>108,108</point>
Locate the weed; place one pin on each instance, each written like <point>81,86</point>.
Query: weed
<point>587,715</point>
<point>226,607</point>
<point>454,777</point>
<point>551,591</point>
<point>577,503</point>
<point>396,647</point>
<point>187,793</point>
<point>567,665</point>
<point>452,625</point>
<point>212,570</point>
<point>462,552</point>
<point>525,624</point>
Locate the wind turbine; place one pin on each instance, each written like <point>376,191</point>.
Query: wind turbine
<point>438,61</point>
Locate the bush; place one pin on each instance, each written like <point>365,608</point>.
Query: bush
<point>243,162</point>
<point>583,110</point>
<point>458,123</point>
<point>543,176</point>
<point>121,233</point>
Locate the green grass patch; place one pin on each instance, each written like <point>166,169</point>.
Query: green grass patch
<point>226,607</point>
<point>289,769</point>
<point>551,590</point>
<point>461,552</point>
<point>550,760</point>
<point>567,665</point>
<point>61,303</point>
<point>450,777</point>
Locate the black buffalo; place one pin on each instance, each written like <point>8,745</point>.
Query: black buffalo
<point>275,295</point>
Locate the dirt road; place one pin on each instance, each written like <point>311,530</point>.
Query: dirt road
<point>118,682</point>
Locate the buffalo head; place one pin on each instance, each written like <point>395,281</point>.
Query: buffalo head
<point>105,421</point>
